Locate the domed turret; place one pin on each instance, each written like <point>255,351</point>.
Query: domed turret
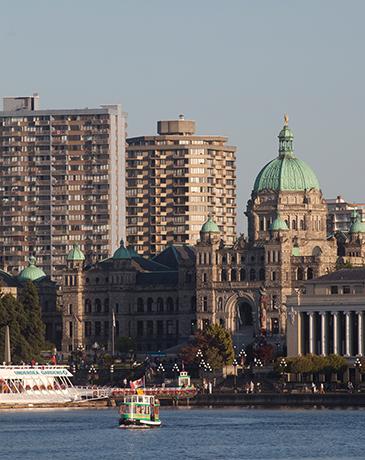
<point>75,254</point>
<point>210,226</point>
<point>122,252</point>
<point>286,172</point>
<point>32,272</point>
<point>357,226</point>
<point>279,224</point>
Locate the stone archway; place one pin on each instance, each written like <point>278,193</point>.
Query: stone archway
<point>242,318</point>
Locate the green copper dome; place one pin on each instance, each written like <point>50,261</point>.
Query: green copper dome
<point>278,224</point>
<point>357,226</point>
<point>122,252</point>
<point>31,272</point>
<point>210,226</point>
<point>75,253</point>
<point>286,172</point>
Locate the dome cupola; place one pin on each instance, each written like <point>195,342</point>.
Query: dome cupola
<point>210,226</point>
<point>122,252</point>
<point>279,224</point>
<point>286,172</point>
<point>357,225</point>
<point>32,272</point>
<point>75,254</point>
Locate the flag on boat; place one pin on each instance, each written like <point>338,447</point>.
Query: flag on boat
<point>136,383</point>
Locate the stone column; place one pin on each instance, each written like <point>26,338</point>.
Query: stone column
<point>311,333</point>
<point>323,334</point>
<point>348,334</point>
<point>360,333</point>
<point>299,334</point>
<point>336,336</point>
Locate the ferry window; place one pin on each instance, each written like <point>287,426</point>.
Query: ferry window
<point>334,289</point>
<point>346,290</point>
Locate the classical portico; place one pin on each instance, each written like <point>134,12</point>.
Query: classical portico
<point>327,315</point>
<point>327,332</point>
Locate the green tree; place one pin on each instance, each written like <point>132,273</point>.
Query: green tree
<point>34,328</point>
<point>216,345</point>
<point>12,314</point>
<point>125,344</point>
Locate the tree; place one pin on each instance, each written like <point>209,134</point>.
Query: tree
<point>34,328</point>
<point>125,344</point>
<point>12,314</point>
<point>216,345</point>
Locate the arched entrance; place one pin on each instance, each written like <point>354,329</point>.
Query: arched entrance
<point>242,314</point>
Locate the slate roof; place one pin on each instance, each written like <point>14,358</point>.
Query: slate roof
<point>345,274</point>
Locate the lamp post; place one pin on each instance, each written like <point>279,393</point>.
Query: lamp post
<point>242,355</point>
<point>95,347</point>
<point>357,366</point>
<point>175,370</point>
<point>111,373</point>
<point>235,364</point>
<point>92,373</point>
<point>161,370</point>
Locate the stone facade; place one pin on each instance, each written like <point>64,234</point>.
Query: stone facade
<point>326,315</point>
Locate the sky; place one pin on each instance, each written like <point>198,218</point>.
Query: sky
<point>234,66</point>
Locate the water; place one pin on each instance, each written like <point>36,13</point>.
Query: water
<point>185,434</point>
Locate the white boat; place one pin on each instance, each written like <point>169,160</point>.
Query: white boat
<point>32,385</point>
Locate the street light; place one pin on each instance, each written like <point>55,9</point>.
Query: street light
<point>161,370</point>
<point>242,355</point>
<point>111,373</point>
<point>235,364</point>
<point>175,370</point>
<point>92,373</point>
<point>357,366</point>
<point>95,347</point>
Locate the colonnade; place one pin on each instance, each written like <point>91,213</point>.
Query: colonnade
<point>326,332</point>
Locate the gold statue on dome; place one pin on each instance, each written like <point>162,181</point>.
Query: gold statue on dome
<point>286,119</point>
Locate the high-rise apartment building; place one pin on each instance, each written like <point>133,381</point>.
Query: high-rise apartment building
<point>174,181</point>
<point>342,213</point>
<point>62,181</point>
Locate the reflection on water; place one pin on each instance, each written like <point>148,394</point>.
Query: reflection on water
<point>186,434</point>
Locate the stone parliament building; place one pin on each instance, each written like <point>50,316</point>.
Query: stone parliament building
<point>161,301</point>
<point>247,286</point>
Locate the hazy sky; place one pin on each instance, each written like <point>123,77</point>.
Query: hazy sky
<point>233,66</point>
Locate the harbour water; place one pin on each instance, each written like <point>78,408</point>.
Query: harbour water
<point>186,434</point>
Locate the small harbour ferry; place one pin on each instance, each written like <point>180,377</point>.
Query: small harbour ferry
<point>139,411</point>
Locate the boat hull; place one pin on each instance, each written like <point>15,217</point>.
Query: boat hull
<point>135,424</point>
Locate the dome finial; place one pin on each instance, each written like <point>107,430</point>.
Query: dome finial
<point>286,119</point>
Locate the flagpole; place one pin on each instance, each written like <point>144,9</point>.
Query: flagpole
<point>113,334</point>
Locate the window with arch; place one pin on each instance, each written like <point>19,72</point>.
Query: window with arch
<point>242,274</point>
<point>149,305</point>
<point>300,274</point>
<point>204,278</point>
<point>273,276</point>
<point>302,224</point>
<point>233,274</point>
<point>160,305</point>
<point>224,259</point>
<point>294,224</point>
<point>87,306</point>
<point>106,305</point>
<point>170,304</point>
<point>140,305</point>
<point>262,274</point>
<point>205,304</point>
<point>252,274</point>
<point>224,275</point>
<point>97,305</point>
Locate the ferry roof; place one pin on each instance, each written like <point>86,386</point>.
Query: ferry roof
<point>30,372</point>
